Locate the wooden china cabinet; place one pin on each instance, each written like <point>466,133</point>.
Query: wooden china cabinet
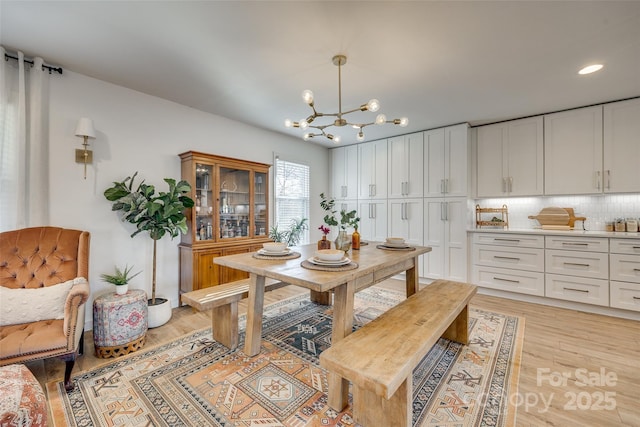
<point>231,215</point>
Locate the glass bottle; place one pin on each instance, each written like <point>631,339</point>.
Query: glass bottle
<point>355,239</point>
<point>324,243</point>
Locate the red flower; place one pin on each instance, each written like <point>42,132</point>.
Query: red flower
<point>325,230</point>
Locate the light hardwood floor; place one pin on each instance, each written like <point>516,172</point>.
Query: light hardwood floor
<point>558,343</point>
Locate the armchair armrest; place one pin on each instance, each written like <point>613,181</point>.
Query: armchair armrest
<point>78,295</point>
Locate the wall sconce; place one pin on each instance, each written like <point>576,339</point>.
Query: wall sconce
<point>85,129</point>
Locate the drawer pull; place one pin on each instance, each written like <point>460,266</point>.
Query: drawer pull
<point>577,264</point>
<point>506,280</point>
<point>506,257</point>
<point>509,240</point>
<point>636,269</point>
<point>636,297</point>
<point>574,244</point>
<point>576,290</point>
<point>636,247</point>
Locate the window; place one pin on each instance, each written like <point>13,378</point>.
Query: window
<point>291,194</point>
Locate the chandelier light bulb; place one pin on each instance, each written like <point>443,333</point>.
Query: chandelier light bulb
<point>381,119</point>
<point>288,123</point>
<point>303,124</point>
<point>337,139</point>
<point>360,136</point>
<point>373,105</point>
<point>307,96</point>
<point>306,136</point>
<point>404,122</point>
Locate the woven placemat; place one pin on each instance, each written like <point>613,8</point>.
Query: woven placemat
<point>292,255</point>
<point>387,248</point>
<point>311,266</point>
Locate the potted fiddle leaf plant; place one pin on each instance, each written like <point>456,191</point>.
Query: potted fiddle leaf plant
<point>159,214</point>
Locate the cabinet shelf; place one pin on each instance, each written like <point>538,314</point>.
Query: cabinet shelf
<point>495,221</point>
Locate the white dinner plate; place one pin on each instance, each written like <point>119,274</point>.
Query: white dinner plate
<point>396,245</point>
<point>274,253</point>
<point>318,261</point>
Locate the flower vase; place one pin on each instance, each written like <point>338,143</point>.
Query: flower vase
<point>324,243</point>
<point>343,241</point>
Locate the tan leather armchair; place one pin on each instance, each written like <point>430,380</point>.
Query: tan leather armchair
<point>38,258</point>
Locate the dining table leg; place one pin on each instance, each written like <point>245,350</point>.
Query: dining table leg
<point>412,279</point>
<point>343,300</point>
<point>253,335</point>
<point>322,298</point>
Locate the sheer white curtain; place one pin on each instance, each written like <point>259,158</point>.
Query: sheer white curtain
<point>24,143</point>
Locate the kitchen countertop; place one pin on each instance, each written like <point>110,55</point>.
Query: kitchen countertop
<point>574,232</point>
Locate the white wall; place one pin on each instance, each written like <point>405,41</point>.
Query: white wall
<point>138,132</point>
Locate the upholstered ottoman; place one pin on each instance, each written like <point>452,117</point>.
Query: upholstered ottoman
<point>119,323</point>
<point>22,400</point>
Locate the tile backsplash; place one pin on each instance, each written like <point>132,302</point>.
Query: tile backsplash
<point>598,209</point>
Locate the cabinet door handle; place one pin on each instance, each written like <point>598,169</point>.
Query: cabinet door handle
<point>446,185</point>
<point>608,179</point>
<point>404,211</point>
<point>506,280</point>
<point>507,257</point>
<point>504,185</point>
<point>636,269</point>
<point>510,184</point>
<point>598,180</point>
<point>444,211</point>
<point>498,239</point>
<point>442,189</point>
<point>576,290</point>
<point>636,297</point>
<point>635,248</point>
<point>574,244</point>
<point>373,190</point>
<point>577,264</point>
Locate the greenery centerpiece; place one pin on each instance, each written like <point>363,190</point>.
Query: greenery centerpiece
<point>160,214</point>
<point>347,219</point>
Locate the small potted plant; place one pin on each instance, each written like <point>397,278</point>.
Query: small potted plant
<point>292,235</point>
<point>120,278</point>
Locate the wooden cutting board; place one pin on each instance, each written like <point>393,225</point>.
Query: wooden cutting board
<point>552,216</point>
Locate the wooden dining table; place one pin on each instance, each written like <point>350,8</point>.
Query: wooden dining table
<point>374,265</point>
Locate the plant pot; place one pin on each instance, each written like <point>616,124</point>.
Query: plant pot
<point>160,313</point>
<point>122,289</point>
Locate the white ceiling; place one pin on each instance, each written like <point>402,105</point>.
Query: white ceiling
<point>438,63</point>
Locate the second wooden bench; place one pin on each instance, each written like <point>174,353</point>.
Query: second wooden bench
<point>223,300</point>
<point>380,357</point>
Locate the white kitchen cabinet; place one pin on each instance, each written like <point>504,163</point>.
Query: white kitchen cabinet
<point>510,158</point>
<point>406,220</point>
<point>372,166</point>
<point>624,259</point>
<point>446,161</point>
<point>445,226</point>
<point>405,166</point>
<point>622,146</point>
<point>344,172</point>
<point>573,152</point>
<point>373,220</point>
<point>508,262</point>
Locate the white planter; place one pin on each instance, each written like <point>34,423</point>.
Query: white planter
<point>122,289</point>
<point>160,313</point>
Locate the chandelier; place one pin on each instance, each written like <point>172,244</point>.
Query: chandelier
<point>317,130</point>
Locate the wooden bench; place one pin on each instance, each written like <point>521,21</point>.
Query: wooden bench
<point>223,302</point>
<point>380,357</point>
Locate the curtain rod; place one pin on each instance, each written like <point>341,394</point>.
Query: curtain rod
<point>48,67</point>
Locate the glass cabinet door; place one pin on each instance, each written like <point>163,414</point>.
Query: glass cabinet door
<point>204,202</point>
<point>260,204</point>
<point>234,203</point>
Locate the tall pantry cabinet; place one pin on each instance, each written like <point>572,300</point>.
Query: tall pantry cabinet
<point>446,217</point>
<point>231,215</point>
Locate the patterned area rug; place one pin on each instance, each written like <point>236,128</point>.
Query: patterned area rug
<point>194,381</point>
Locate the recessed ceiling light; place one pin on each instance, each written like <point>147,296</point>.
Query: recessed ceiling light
<point>590,69</point>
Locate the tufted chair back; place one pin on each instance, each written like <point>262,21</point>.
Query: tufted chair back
<point>42,256</point>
